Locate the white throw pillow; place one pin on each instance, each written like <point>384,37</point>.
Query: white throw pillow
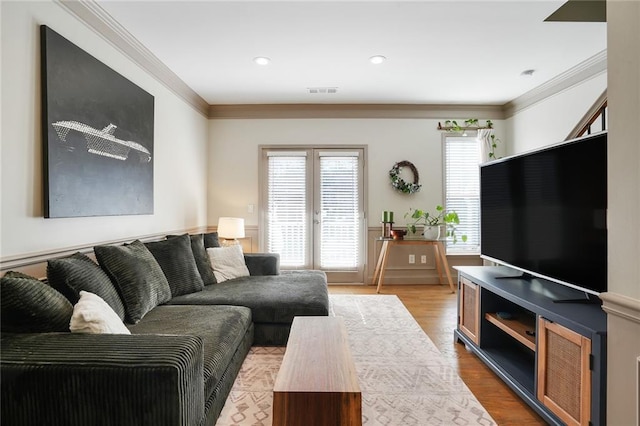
<point>227,262</point>
<point>93,315</point>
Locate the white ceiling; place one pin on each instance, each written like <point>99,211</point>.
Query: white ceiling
<point>439,52</point>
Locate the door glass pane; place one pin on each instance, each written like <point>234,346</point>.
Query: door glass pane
<point>287,209</point>
<point>339,212</point>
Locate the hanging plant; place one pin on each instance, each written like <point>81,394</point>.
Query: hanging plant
<point>400,184</point>
<point>469,124</point>
<point>493,146</point>
<point>473,124</point>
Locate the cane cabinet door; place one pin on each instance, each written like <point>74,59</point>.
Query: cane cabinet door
<point>469,309</point>
<point>564,374</point>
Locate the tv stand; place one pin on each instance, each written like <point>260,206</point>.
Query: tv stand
<point>552,354</point>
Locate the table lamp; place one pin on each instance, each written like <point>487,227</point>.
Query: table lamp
<point>229,229</point>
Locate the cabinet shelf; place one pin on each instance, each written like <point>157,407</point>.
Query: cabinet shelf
<point>516,328</point>
<point>517,364</point>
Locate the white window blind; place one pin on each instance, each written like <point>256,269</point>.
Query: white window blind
<point>286,207</point>
<point>462,191</point>
<point>340,211</point>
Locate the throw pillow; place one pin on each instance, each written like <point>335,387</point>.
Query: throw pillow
<point>137,276</point>
<point>228,262</point>
<point>211,240</point>
<point>72,274</point>
<point>30,306</point>
<point>175,257</point>
<point>93,315</point>
<point>202,258</point>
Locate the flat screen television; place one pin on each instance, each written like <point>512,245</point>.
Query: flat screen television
<point>544,213</point>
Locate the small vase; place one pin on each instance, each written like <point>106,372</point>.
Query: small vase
<point>432,232</point>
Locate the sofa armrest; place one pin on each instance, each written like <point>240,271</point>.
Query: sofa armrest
<point>108,379</point>
<point>263,263</point>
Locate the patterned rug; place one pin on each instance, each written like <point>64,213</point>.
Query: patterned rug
<point>403,377</point>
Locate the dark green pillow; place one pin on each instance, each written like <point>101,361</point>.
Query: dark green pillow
<point>211,240</point>
<point>30,306</point>
<point>137,276</point>
<point>175,257</point>
<point>202,258</point>
<point>72,274</point>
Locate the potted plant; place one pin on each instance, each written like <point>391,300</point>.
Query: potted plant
<point>433,223</point>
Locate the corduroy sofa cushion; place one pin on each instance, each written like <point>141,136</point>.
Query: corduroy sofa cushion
<point>202,259</point>
<point>73,274</point>
<point>211,240</point>
<point>30,306</point>
<point>69,379</point>
<point>137,275</point>
<point>221,328</point>
<point>272,298</point>
<point>175,257</point>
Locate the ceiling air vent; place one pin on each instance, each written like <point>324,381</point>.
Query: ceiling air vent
<point>322,90</point>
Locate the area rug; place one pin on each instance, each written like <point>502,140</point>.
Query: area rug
<point>403,377</point>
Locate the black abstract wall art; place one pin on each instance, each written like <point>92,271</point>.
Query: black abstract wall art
<point>97,135</point>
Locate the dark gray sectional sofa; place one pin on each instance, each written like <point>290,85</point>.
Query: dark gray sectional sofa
<point>178,365</point>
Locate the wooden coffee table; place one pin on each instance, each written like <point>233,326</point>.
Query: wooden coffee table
<point>317,383</point>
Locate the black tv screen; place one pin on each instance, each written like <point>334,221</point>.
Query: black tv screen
<point>544,212</point>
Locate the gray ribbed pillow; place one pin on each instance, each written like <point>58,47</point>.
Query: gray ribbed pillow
<point>175,257</point>
<point>202,258</point>
<point>30,306</point>
<point>73,274</point>
<point>137,276</point>
<point>211,240</point>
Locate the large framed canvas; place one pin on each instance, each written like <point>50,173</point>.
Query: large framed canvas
<point>97,135</point>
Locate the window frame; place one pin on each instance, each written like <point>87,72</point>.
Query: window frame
<point>456,249</point>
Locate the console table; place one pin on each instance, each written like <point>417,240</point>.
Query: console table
<point>438,250</point>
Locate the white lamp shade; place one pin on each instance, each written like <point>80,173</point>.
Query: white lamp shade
<point>230,227</point>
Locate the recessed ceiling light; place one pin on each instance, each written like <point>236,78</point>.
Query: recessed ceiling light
<point>377,59</point>
<point>261,60</point>
<point>527,73</point>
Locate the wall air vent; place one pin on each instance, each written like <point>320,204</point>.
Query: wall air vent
<point>322,90</point>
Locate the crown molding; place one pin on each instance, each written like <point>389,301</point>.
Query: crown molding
<point>584,71</point>
<point>96,18</point>
<point>380,111</point>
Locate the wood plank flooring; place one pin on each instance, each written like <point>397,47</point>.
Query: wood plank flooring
<point>434,308</point>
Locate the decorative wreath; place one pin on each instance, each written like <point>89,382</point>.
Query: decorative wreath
<point>398,183</point>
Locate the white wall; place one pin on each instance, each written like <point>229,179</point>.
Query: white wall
<point>552,119</point>
<point>180,143</point>
<point>235,142</point>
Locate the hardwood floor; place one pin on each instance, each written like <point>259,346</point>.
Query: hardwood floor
<point>434,308</point>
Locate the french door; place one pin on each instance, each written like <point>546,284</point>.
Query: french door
<point>312,209</point>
